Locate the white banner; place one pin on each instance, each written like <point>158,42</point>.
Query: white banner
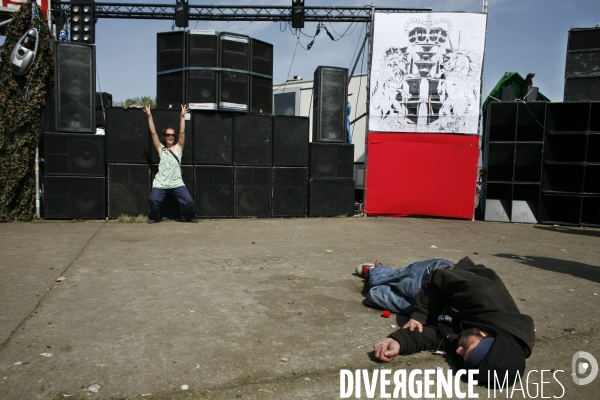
<point>426,72</point>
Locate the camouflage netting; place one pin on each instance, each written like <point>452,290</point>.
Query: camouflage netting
<point>22,100</point>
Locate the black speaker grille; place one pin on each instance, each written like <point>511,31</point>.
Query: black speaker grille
<point>252,192</point>
<point>170,90</point>
<point>213,138</point>
<point>583,39</point>
<point>290,192</point>
<point>75,87</point>
<point>233,91</point>
<point>170,118</point>
<point>234,51</point>
<point>73,154</point>
<point>253,139</point>
<point>330,104</point>
<point>127,136</point>
<point>213,191</point>
<point>331,160</point>
<point>202,50</point>
<point>170,50</point>
<point>261,95</point>
<point>170,206</point>
<point>128,189</point>
<point>262,57</point>
<point>202,90</point>
<point>328,198</point>
<point>583,64</point>
<point>74,197</point>
<point>290,141</point>
<point>582,89</point>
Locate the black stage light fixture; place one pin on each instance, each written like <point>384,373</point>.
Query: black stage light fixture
<point>82,21</point>
<point>297,13</point>
<point>181,13</point>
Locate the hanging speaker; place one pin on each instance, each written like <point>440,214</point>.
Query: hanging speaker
<point>213,191</point>
<point>128,189</point>
<point>127,136</point>
<point>331,161</point>
<point>164,119</point>
<point>202,61</point>
<point>75,87</point>
<point>330,99</point>
<point>73,154</point>
<point>290,192</point>
<point>252,192</point>
<point>253,137</point>
<point>69,197</point>
<point>24,52</point>
<point>213,138</point>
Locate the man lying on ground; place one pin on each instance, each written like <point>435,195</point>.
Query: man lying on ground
<point>462,308</point>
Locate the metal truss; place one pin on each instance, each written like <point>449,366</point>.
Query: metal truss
<point>234,13</point>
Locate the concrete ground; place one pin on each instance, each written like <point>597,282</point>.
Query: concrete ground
<point>262,308</point>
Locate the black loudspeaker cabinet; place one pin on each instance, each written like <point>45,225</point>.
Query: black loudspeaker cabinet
<point>261,87</point>
<point>233,84</point>
<point>103,100</point>
<point>171,56</point>
<point>213,138</point>
<point>290,141</point>
<point>331,161</point>
<point>202,61</point>
<point>331,198</point>
<point>252,192</point>
<point>67,197</point>
<point>252,140</point>
<point>213,191</point>
<point>330,97</point>
<point>290,192</point>
<point>170,118</point>
<point>73,154</point>
<point>170,206</point>
<point>75,87</point>
<point>127,136</point>
<point>582,69</point>
<point>128,189</point>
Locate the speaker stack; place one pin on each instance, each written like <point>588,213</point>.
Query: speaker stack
<point>74,163</point>
<point>582,71</point>
<point>331,189</point>
<point>214,71</point>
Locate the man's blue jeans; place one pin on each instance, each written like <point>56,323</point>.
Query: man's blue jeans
<point>397,289</point>
<point>183,196</point>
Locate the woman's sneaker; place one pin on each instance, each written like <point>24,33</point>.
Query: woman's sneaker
<point>363,269</point>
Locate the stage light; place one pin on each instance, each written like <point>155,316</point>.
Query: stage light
<point>82,19</point>
<point>181,13</point>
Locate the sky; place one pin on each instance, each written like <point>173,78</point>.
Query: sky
<point>522,36</point>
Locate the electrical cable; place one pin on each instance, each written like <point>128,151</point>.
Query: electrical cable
<point>288,74</point>
<point>356,49</point>
<point>362,62</point>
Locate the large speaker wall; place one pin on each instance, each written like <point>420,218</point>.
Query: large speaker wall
<point>582,70</point>
<point>75,87</point>
<point>553,181</point>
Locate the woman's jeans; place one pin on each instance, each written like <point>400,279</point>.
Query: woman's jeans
<point>397,289</point>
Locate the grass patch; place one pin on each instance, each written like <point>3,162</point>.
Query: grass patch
<point>129,219</point>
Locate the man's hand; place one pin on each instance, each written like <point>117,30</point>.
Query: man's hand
<point>387,350</point>
<point>412,324</point>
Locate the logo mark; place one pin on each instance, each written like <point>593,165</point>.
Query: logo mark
<point>583,367</point>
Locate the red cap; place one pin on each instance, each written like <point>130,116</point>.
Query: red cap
<point>386,314</point>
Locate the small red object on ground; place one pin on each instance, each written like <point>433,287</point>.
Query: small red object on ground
<point>386,314</point>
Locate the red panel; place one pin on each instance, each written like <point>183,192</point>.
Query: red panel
<point>421,174</point>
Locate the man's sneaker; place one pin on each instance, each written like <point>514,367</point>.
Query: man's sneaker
<point>363,269</point>
<point>193,220</point>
